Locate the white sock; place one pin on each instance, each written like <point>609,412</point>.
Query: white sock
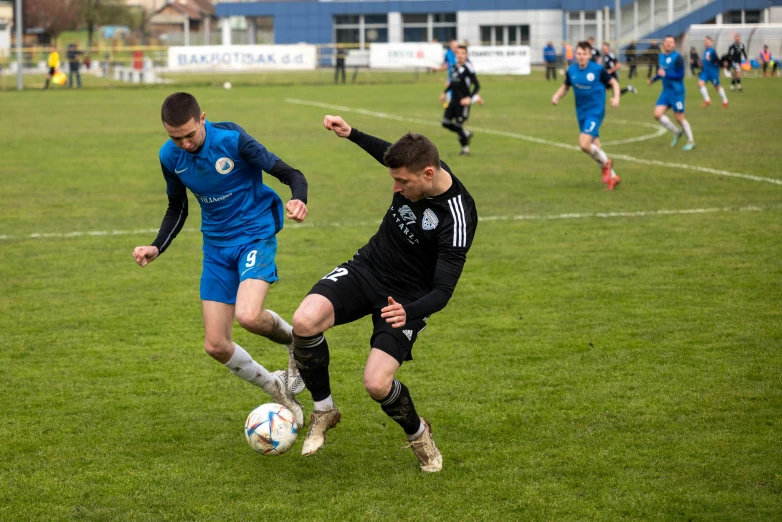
<point>598,155</point>
<point>687,131</point>
<point>705,93</point>
<point>668,124</point>
<point>418,433</point>
<point>324,405</point>
<point>243,366</point>
<point>723,94</point>
<point>282,333</point>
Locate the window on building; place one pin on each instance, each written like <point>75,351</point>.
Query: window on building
<point>360,29</point>
<point>417,27</point>
<point>752,16</point>
<point>732,17</point>
<point>505,34</point>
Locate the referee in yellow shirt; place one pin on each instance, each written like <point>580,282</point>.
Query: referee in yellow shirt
<point>54,64</point>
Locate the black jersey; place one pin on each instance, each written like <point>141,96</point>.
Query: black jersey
<point>421,247</point>
<point>609,62</point>
<point>595,55</point>
<point>463,78</point>
<point>736,50</point>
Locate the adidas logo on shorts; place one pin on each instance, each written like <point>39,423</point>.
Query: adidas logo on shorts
<point>408,334</point>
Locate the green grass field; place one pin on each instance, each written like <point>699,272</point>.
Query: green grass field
<point>606,356</point>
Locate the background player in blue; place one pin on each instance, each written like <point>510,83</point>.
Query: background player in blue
<point>448,62</point>
<point>671,70</point>
<point>240,216</point>
<point>711,73</point>
<point>589,80</point>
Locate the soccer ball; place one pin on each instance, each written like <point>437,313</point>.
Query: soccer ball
<point>270,429</point>
<point>227,85</point>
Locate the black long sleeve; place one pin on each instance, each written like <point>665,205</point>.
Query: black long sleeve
<point>291,177</point>
<point>374,146</point>
<point>173,221</point>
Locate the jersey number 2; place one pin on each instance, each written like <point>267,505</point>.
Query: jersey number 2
<point>334,274</point>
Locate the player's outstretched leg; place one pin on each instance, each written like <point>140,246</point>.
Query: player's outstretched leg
<point>395,401</point>
<point>704,93</point>
<point>659,115</point>
<point>591,146</point>
<point>723,95</point>
<point>459,130</point>
<point>687,131</point>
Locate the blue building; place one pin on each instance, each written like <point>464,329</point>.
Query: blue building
<point>491,22</point>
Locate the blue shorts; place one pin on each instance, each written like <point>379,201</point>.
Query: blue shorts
<point>713,78</point>
<point>672,100</point>
<point>225,267</point>
<point>590,124</point>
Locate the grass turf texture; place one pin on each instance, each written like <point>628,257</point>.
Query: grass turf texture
<point>586,368</point>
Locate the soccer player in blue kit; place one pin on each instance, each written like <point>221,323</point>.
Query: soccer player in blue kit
<point>671,70</point>
<point>711,73</point>
<point>240,216</point>
<point>589,80</point>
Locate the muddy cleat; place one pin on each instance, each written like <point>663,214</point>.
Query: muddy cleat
<point>607,170</point>
<point>294,383</point>
<point>426,451</point>
<point>320,423</point>
<point>706,104</point>
<point>613,182</point>
<point>294,386</point>
<point>688,146</point>
<point>676,138</point>
<point>281,395</point>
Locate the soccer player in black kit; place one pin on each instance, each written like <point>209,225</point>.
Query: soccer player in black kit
<point>611,65</point>
<point>735,52</point>
<point>464,89</point>
<point>406,272</point>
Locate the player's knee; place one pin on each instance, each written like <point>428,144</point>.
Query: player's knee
<point>378,386</point>
<point>305,322</point>
<point>221,349</point>
<point>249,318</point>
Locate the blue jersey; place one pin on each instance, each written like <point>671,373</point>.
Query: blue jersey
<point>711,61</point>
<point>450,58</point>
<point>589,87</point>
<point>225,177</point>
<point>673,65</point>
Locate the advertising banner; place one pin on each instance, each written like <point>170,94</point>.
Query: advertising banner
<point>242,57</point>
<point>502,59</point>
<point>405,55</point>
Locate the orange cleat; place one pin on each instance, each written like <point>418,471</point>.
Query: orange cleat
<point>613,182</point>
<point>724,105</point>
<point>607,170</point>
<point>706,104</point>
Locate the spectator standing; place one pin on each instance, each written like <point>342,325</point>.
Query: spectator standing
<point>74,57</point>
<point>632,58</point>
<point>550,57</point>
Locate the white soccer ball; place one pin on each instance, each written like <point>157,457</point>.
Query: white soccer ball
<point>270,429</point>
<point>227,85</point>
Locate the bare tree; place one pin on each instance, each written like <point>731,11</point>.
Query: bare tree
<point>54,16</point>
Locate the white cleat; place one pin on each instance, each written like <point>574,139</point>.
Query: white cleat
<point>426,451</point>
<point>320,423</point>
<point>294,383</point>
<point>295,386</point>
<point>281,395</point>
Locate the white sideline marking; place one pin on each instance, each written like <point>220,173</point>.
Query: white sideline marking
<point>337,224</point>
<point>541,141</point>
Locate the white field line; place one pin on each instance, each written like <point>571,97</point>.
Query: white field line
<point>541,141</point>
<point>337,224</point>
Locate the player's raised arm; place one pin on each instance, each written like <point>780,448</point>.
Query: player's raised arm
<point>260,157</point>
<point>173,221</point>
<point>376,147</point>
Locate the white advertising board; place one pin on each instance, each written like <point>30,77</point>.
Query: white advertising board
<point>501,59</point>
<point>242,57</point>
<point>405,55</point>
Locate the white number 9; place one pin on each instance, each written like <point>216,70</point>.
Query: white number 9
<point>251,258</point>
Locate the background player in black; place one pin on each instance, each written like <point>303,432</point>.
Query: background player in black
<point>652,57</point>
<point>631,57</point>
<point>593,50</point>
<point>464,89</point>
<point>612,65</point>
<point>407,271</point>
<point>735,52</point>
<point>695,61</point>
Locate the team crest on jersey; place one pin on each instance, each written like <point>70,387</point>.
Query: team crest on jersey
<point>224,165</point>
<point>407,215</point>
<point>590,76</point>
<point>668,60</point>
<point>430,221</point>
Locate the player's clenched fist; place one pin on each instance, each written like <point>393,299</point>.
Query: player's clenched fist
<point>296,210</point>
<point>338,125</point>
<point>144,255</point>
<point>554,99</point>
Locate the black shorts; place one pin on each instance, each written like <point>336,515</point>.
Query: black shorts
<point>456,111</point>
<point>354,292</point>
<point>51,71</point>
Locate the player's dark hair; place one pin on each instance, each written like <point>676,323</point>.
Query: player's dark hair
<point>179,108</point>
<point>670,36</point>
<point>584,45</point>
<point>708,37</point>
<point>412,151</point>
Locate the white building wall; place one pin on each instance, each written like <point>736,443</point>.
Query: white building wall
<point>544,26</point>
<point>775,15</point>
